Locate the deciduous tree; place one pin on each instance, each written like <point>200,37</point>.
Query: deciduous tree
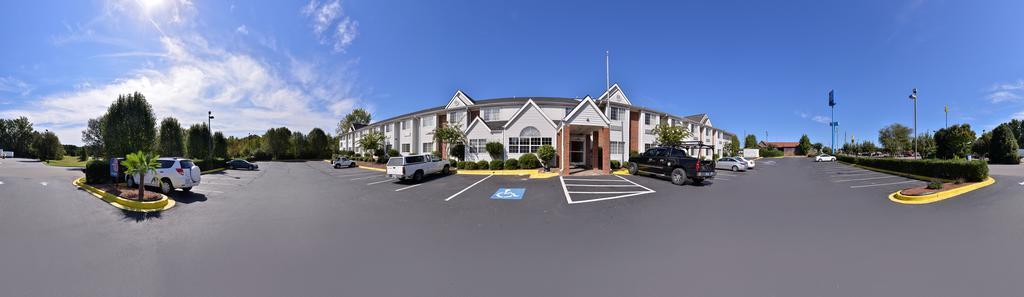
<point>170,142</point>
<point>129,125</point>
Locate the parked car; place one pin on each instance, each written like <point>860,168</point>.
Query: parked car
<point>172,173</point>
<point>824,158</point>
<point>343,162</point>
<point>750,163</point>
<point>733,164</point>
<point>672,162</point>
<point>416,166</point>
<point>237,163</point>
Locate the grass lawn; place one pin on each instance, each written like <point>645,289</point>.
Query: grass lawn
<point>68,161</point>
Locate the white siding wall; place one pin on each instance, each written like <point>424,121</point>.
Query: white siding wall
<point>530,117</point>
<point>643,128</point>
<point>620,132</point>
<point>480,132</point>
<point>405,136</point>
<point>426,134</point>
<point>554,112</point>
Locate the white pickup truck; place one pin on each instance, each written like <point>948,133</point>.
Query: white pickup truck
<point>416,166</point>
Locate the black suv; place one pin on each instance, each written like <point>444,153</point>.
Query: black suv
<point>672,162</point>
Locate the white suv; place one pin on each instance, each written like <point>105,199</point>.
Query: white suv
<point>172,173</point>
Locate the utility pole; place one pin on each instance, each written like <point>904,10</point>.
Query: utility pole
<point>913,96</point>
<point>833,124</point>
<point>209,124</point>
<point>947,116</point>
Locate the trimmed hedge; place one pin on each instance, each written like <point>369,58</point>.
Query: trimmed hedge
<point>469,166</point>
<point>971,171</point>
<point>511,164</point>
<point>497,165</point>
<point>97,172</point>
<point>528,161</point>
<point>482,164</point>
<point>615,164</point>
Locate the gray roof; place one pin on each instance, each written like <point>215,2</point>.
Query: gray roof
<point>495,125</point>
<point>696,117</point>
<point>521,100</point>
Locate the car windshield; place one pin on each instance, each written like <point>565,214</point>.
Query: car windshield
<point>396,161</point>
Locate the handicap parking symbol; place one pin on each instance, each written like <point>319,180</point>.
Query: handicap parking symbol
<point>509,194</point>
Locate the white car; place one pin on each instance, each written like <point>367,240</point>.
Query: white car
<point>343,162</point>
<point>416,166</point>
<point>172,173</point>
<point>730,163</point>
<point>824,158</point>
<point>750,163</point>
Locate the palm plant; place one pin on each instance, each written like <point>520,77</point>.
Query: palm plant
<point>141,163</point>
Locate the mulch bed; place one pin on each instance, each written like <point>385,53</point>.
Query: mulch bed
<point>924,190</point>
<point>370,164</point>
<point>128,193</point>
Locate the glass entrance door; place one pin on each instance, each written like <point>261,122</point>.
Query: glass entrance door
<point>576,156</point>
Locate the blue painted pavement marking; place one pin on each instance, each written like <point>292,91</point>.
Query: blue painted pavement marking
<point>509,194</point>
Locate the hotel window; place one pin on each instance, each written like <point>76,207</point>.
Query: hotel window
<point>428,147</point>
<point>647,118</point>
<point>648,146</point>
<point>456,117</point>
<point>617,147</point>
<point>406,124</point>
<point>387,128</point>
<point>477,146</point>
<point>427,121</point>
<point>529,141</point>
<point>405,147</point>
<point>613,113</point>
<point>490,114</point>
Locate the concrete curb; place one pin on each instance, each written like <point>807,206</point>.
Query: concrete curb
<point>131,205</point>
<point>907,175</point>
<point>936,197</point>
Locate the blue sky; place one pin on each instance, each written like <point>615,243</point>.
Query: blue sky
<point>753,66</point>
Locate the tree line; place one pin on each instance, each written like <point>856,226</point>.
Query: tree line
<point>999,146</point>
<point>18,135</point>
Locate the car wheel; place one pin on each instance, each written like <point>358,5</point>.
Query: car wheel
<point>351,164</point>
<point>165,186</point>
<point>632,168</point>
<point>734,168</point>
<point>679,176</point>
<point>446,170</point>
<point>418,176</point>
<point>188,189</point>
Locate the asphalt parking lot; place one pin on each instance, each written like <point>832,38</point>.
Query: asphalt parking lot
<point>790,227</point>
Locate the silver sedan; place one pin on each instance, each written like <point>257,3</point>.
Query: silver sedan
<point>731,164</point>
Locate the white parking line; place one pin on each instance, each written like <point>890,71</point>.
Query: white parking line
<point>217,184</point>
<point>568,198</point>
<point>866,178</point>
<point>412,186</point>
<point>606,192</point>
<point>377,182</point>
<point>592,179</point>
<point>585,185</point>
<point>44,183</point>
<point>467,188</point>
<point>723,174</point>
<point>206,191</point>
<point>2,182</point>
<point>855,174</point>
<point>887,184</point>
<point>366,177</point>
<point>357,174</point>
<point>1021,183</point>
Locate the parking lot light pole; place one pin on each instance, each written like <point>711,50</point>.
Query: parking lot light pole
<point>209,125</point>
<point>913,97</point>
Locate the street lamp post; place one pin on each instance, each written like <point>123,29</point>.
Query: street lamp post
<point>209,124</point>
<point>913,97</point>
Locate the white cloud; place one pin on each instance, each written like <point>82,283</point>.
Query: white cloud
<point>821,119</point>
<point>13,85</point>
<point>328,14</point>
<point>1006,92</point>
<point>242,30</point>
<point>245,94</point>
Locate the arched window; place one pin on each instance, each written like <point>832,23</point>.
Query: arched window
<point>529,141</point>
<point>529,131</point>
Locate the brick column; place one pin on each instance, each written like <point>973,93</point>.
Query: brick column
<point>594,144</point>
<point>606,152</point>
<point>563,147</point>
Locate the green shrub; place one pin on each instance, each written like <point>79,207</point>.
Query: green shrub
<point>97,172</point>
<point>1003,148</point>
<point>482,165</point>
<point>546,153</point>
<point>528,161</point>
<point>633,154</point>
<point>393,153</point>
<point>497,165</point>
<point>767,153</point>
<point>972,171</point>
<point>934,184</point>
<point>511,164</point>
<point>615,164</point>
<point>495,149</point>
<point>469,165</point>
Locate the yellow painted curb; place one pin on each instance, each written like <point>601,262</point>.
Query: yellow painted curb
<point>139,206</point>
<point>621,172</point>
<point>213,170</point>
<point>374,169</point>
<point>533,173</point>
<point>924,199</point>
